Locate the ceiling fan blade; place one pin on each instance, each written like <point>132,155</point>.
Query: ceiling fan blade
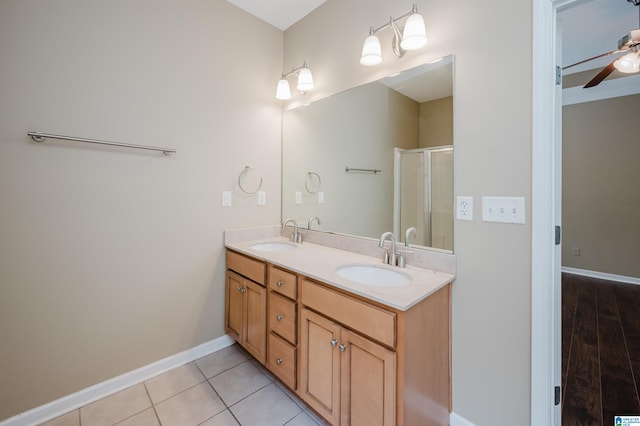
<point>601,76</point>
<point>591,59</point>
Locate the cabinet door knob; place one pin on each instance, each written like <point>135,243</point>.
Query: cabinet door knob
<point>334,342</point>
<point>279,317</point>
<point>279,283</point>
<point>239,289</point>
<point>342,348</point>
<point>279,361</point>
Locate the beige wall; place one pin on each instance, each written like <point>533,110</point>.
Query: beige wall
<point>436,123</point>
<point>110,258</point>
<point>600,191</point>
<point>492,131</point>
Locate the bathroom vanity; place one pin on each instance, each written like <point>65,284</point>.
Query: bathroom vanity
<point>358,353</point>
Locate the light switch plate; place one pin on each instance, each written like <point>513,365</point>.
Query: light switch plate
<point>262,198</point>
<point>298,197</point>
<point>320,197</point>
<point>464,208</point>
<point>226,198</point>
<point>503,209</point>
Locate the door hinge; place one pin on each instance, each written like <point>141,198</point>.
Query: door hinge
<point>558,75</point>
<point>557,395</point>
<point>558,235</point>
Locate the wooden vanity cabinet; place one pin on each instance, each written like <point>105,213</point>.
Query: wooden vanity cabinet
<point>364,364</point>
<point>348,379</point>
<point>354,361</point>
<point>246,304</point>
<point>282,314</point>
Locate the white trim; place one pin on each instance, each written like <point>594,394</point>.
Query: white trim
<point>457,420</point>
<point>601,275</point>
<point>607,89</point>
<point>93,393</point>
<point>543,411</point>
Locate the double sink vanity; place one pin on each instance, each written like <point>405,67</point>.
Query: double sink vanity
<point>360,342</point>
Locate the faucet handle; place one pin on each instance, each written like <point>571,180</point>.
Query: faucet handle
<point>401,258</point>
<point>385,257</point>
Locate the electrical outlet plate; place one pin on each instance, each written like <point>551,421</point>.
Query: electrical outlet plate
<point>464,208</point>
<point>298,197</point>
<point>262,198</point>
<point>503,209</point>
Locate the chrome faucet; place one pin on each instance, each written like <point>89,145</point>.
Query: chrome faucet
<point>407,235</point>
<point>296,237</point>
<point>389,258</point>
<point>311,219</point>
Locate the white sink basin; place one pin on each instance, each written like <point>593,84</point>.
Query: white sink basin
<point>373,275</point>
<point>273,246</point>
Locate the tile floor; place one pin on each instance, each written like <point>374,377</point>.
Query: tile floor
<point>224,388</point>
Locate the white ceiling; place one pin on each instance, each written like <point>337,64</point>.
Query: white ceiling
<point>593,28</point>
<point>279,13</point>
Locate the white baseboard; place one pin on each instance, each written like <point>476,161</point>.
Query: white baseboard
<point>601,275</point>
<point>93,393</point>
<point>457,420</point>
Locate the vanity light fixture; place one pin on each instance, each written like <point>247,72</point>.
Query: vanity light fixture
<point>305,82</point>
<point>412,37</point>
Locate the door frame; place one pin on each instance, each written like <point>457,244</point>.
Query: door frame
<point>546,327</point>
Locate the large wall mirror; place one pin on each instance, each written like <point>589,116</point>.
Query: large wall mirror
<point>375,158</point>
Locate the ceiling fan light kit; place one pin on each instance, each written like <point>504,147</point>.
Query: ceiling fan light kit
<point>628,63</point>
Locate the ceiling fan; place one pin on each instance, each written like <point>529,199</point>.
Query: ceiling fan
<point>627,63</point>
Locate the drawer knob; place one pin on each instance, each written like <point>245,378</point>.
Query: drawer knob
<point>342,348</point>
<point>279,317</point>
<point>279,283</point>
<point>278,361</point>
<point>334,342</point>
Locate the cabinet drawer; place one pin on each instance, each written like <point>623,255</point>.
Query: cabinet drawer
<point>282,316</point>
<point>250,268</point>
<point>283,282</point>
<point>369,320</point>
<point>282,360</point>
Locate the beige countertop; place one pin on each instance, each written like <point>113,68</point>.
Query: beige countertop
<point>320,263</point>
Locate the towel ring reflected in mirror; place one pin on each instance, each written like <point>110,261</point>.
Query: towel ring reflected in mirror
<point>241,177</point>
<point>310,176</point>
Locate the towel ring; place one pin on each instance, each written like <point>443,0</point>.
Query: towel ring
<point>306,182</point>
<point>244,172</point>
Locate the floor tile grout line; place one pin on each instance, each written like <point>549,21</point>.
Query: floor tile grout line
<point>153,405</point>
<point>226,407</point>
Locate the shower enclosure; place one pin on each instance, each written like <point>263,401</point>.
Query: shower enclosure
<point>423,195</point>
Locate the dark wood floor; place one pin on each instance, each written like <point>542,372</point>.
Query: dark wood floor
<point>600,350</point>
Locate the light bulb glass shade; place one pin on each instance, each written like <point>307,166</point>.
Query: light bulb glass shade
<point>305,80</point>
<point>414,35</point>
<point>371,51</point>
<point>628,63</point>
<point>283,91</point>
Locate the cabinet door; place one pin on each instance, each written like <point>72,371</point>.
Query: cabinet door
<point>368,382</point>
<point>233,306</point>
<point>320,365</point>
<point>255,320</point>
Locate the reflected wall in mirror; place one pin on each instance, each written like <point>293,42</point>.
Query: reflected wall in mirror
<point>375,158</point>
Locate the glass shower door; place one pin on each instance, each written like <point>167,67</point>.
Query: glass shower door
<point>424,196</point>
